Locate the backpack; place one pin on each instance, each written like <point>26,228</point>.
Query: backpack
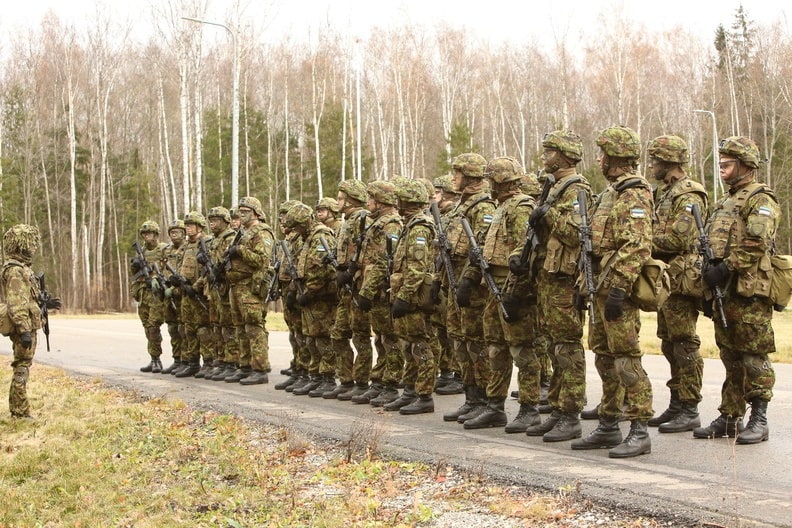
<point>781,283</point>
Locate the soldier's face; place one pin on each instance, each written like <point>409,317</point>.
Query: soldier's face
<point>341,199</point>
<point>245,216</point>
<point>457,178</point>
<point>192,231</point>
<point>372,205</point>
<point>729,169</point>
<point>217,225</point>
<point>322,214</point>
<point>150,238</point>
<point>176,236</point>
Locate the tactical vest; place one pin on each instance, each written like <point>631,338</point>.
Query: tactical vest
<point>189,265</point>
<point>559,258</point>
<point>33,310</point>
<point>420,244</point>
<point>374,232</point>
<point>664,220</point>
<point>457,239</point>
<point>348,236</point>
<point>311,260</point>
<point>173,257</point>
<point>601,233</point>
<point>499,241</point>
<point>241,269</point>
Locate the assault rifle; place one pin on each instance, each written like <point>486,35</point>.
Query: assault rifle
<point>273,289</point>
<point>531,238</point>
<point>291,267</point>
<point>45,302</point>
<point>330,257</point>
<point>147,270</point>
<point>586,249</point>
<point>180,281</point>
<point>389,249</point>
<point>353,263</point>
<point>445,248</point>
<point>708,257</point>
<point>225,265</point>
<point>485,268</point>
<point>205,258</point>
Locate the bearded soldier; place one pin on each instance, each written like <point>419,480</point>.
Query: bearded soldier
<point>149,292</point>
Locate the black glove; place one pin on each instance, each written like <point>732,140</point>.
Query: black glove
<point>717,275</point>
<point>400,308</point>
<point>343,278</point>
<point>202,258</point>
<point>26,340</point>
<point>516,266</point>
<point>614,304</point>
<point>364,304</point>
<point>579,300</point>
<point>304,298</point>
<point>291,300</point>
<point>474,259</point>
<point>234,252</point>
<point>512,305</point>
<point>136,264</point>
<point>53,303</point>
<point>464,292</point>
<point>538,214</point>
<point>434,292</point>
<point>174,281</point>
<point>189,291</point>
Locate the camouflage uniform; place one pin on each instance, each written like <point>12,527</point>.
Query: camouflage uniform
<point>172,258</point>
<point>149,293</point>
<point>674,241</point>
<point>742,231</point>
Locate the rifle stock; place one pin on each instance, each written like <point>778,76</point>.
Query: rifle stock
<point>44,298</point>
<point>586,248</point>
<point>708,256</point>
<point>445,248</point>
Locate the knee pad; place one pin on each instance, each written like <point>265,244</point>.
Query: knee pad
<point>205,334</point>
<point>153,334</point>
<point>685,352</point>
<point>628,369</point>
<point>755,365</point>
<point>421,352</point>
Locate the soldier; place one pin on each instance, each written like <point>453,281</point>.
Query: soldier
<point>448,380</point>
<point>508,342</point>
<point>556,222</point>
<point>376,253</point>
<point>328,212</point>
<point>463,312</point>
<point>621,228</point>
<point>172,258</point>
<point>194,310</point>
<point>314,290</point>
<point>250,268</point>
<point>674,242</point>
<point>350,323</point>
<point>413,267</point>
<point>22,293</point>
<point>149,292</point>
<point>742,231</point>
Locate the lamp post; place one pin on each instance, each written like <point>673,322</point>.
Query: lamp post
<point>234,108</point>
<point>715,172</point>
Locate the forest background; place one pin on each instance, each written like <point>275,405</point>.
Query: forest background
<point>100,131</point>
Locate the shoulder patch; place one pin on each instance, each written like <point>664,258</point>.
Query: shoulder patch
<point>487,218</point>
<point>637,212</point>
<point>764,211</point>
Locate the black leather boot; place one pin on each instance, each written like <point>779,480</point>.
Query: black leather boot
<point>674,409</point>
<point>637,442</point>
<point>407,397</point>
<point>157,367</point>
<point>149,367</point>
<point>257,377</point>
<point>479,406</point>
<point>493,415</point>
<point>238,375</point>
<point>756,430</point>
<point>453,386</point>
<point>288,382</point>
<point>338,390</point>
<point>228,370</point>
<point>424,404</point>
<point>388,394</point>
<point>303,390</point>
<point>328,384</point>
<point>606,435</point>
<point>302,379</point>
<point>566,428</point>
<point>527,416</point>
<point>173,367</point>
<point>590,414</point>
<point>358,388</point>
<point>686,420</point>
<point>372,392</point>
<point>189,370</point>
<point>470,396</point>
<point>541,428</point>
<point>722,426</point>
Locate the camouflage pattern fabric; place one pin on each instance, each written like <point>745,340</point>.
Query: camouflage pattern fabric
<point>195,318</point>
<point>151,306</point>
<point>172,315</point>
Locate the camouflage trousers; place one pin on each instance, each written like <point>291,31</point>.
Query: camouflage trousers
<point>744,350</point>
<point>415,336</point>
<point>443,351</point>
<point>197,333</point>
<point>346,327</point>
<point>152,316</point>
<point>172,316</point>
<point>562,322</point>
<point>18,402</point>
<point>466,331</point>
<point>249,314</point>
<point>315,319</point>
<point>390,360</point>
<point>618,362</point>
<point>676,328</point>
<point>300,355</point>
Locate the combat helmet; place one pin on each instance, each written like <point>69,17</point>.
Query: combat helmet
<point>446,183</point>
<point>504,169</point>
<point>567,143</point>
<point>176,224</point>
<point>470,164</point>
<point>412,191</point>
<point>620,142</point>
<point>220,212</point>
<point>251,203</point>
<point>299,214</point>
<point>331,204</point>
<point>194,217</point>
<point>149,226</point>
<point>382,191</point>
<point>672,149</point>
<point>284,207</point>
<point>743,148</point>
<point>355,189</point>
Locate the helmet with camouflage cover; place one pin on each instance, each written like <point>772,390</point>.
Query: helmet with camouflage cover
<point>284,207</point>
<point>412,191</point>
<point>176,224</point>
<point>504,169</point>
<point>470,164</point>
<point>220,212</point>
<point>743,148</point>
<point>149,226</point>
<point>355,189</point>
<point>566,142</point>
<point>382,191</point>
<point>194,217</point>
<point>330,204</point>
<point>22,241</point>
<point>672,149</point>
<point>251,203</point>
<point>299,214</point>
<point>446,183</point>
<point>620,142</point>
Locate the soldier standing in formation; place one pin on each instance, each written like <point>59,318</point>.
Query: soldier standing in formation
<point>172,257</point>
<point>149,292</point>
<point>328,212</point>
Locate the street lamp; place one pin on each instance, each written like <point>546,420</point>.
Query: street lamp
<point>234,108</point>
<point>715,172</point>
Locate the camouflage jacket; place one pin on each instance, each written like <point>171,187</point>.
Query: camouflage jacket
<point>479,209</point>
<point>349,235</point>
<point>155,255</point>
<point>413,261</point>
<point>374,255</point>
<point>317,276</point>
<point>674,231</point>
<point>255,253</point>
<point>21,289</point>
<point>559,232</point>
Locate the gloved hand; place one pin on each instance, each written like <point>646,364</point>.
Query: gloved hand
<point>174,281</point>
<point>234,252</point>
<point>136,264</point>
<point>579,300</point>
<point>434,292</point>
<point>189,291</point>
<point>156,287</point>
<point>53,303</point>
<point>614,304</point>
<point>400,308</point>
<point>202,259</point>
<point>169,292</point>
<point>538,214</point>
<point>343,278</point>
<point>304,298</point>
<point>474,259</point>
<point>516,266</point>
<point>364,304</point>
<point>464,292</point>
<point>26,340</point>
<point>512,305</point>
<point>716,275</point>
<point>291,300</point>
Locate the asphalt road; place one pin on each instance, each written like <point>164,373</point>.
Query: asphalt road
<point>688,482</point>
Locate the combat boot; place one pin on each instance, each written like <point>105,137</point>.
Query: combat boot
<point>756,430</point>
<point>590,414</point>
<point>424,404</point>
<point>157,367</point>
<point>239,374</point>
<point>544,393</point>
<point>302,379</point>
<point>543,427</point>
<point>566,428</point>
<point>407,397</point>
<point>189,370</point>
<point>303,390</point>
<point>173,367</point>
<point>359,387</point>
<point>722,426</point>
<point>287,371</point>
<point>388,394</point>
<point>288,382</point>
<point>637,442</point>
<point>219,367</point>
<point>207,367</point>
<point>479,406</point>
<point>527,416</point>
<point>454,386</point>
<point>338,390</point>
<point>257,377</point>
<point>515,394</point>
<point>686,420</point>
<point>443,379</point>
<point>372,392</point>
<point>674,409</point>
<point>493,415</point>
<point>606,435</point>
<point>228,370</point>
<point>149,367</point>
<point>470,397</point>
<point>328,384</point>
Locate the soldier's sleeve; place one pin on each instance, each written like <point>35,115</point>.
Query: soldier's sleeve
<point>417,260</point>
<point>317,271</point>
<point>18,298</point>
<point>683,234</point>
<point>518,222</point>
<point>632,225</point>
<point>258,251</point>
<point>761,215</point>
<point>479,218</point>
<point>566,219</point>
<point>376,262</point>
